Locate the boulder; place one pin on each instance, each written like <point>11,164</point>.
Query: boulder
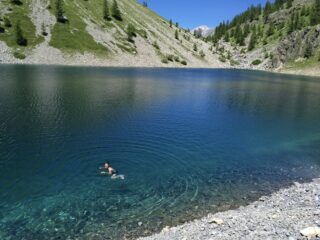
<point>310,232</point>
<point>217,221</point>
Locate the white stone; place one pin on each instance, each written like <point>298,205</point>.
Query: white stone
<point>310,232</point>
<point>216,221</point>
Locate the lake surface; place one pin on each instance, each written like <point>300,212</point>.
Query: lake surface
<point>189,142</point>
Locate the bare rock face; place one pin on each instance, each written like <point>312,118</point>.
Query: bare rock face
<point>295,44</point>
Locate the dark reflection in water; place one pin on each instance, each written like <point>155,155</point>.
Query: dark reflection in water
<point>188,142</point>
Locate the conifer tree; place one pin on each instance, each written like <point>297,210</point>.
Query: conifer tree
<point>291,24</point>
<point>227,37</point>
<point>315,14</point>
<point>116,11</point>
<point>106,12</point>
<point>267,11</point>
<point>253,41</point>
<point>170,23</point>
<point>289,3</point>
<point>59,11</point>
<point>20,39</point>
<point>176,34</point>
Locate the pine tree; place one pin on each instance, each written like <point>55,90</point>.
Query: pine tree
<point>170,23</point>
<point>267,11</point>
<point>289,3</point>
<point>59,11</point>
<point>116,11</point>
<point>227,37</point>
<point>106,12</point>
<point>253,41</point>
<point>315,14</point>
<point>291,24</point>
<point>20,39</point>
<point>176,34</point>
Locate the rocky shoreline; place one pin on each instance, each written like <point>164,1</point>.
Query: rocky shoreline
<point>292,213</point>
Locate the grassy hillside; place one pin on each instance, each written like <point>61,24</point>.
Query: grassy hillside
<point>12,14</point>
<point>141,34</point>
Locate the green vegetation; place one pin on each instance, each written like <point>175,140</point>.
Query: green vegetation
<point>116,13</point>
<point>176,35</point>
<point>256,62</point>
<point>19,29</point>
<point>256,25</point>
<point>59,12</point>
<point>315,14</point>
<point>165,61</point>
<point>195,47</point>
<point>73,37</point>
<point>184,62</point>
<point>19,55</point>
<point>106,12</point>
<point>131,32</point>
<point>20,39</point>
<point>156,45</point>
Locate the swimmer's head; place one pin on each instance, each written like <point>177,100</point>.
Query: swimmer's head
<point>106,165</point>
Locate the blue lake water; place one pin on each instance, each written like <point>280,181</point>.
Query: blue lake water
<point>188,141</point>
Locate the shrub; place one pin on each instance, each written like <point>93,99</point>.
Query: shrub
<point>165,61</point>
<point>156,45</point>
<point>256,62</point>
<point>195,47</point>
<point>202,54</point>
<point>170,57</point>
<point>2,30</point>
<point>144,33</point>
<point>7,22</point>
<point>184,62</point>
<point>131,32</point>
<point>19,55</point>
<point>222,59</point>
<point>16,2</point>
<point>234,62</point>
<point>177,59</point>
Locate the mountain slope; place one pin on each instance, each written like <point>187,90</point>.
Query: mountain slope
<point>282,36</point>
<point>87,38</point>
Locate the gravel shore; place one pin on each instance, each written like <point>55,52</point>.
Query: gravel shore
<point>283,215</point>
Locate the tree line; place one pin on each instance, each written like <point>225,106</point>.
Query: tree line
<point>256,23</point>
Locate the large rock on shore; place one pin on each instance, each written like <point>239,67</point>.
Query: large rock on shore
<point>311,232</point>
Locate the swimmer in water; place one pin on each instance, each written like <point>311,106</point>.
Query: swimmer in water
<point>107,169</point>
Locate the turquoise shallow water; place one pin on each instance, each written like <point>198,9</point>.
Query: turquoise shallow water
<point>189,142</point>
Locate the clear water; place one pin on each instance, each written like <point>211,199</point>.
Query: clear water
<point>187,141</point>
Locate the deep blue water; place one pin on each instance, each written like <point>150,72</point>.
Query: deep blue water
<point>189,142</point>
